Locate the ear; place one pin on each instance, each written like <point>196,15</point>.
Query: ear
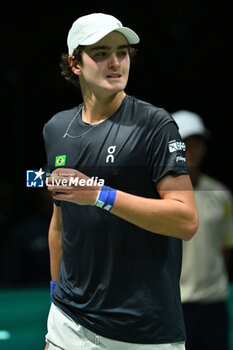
<point>75,67</point>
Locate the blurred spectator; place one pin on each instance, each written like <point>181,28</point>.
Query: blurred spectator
<point>204,278</point>
<point>26,261</point>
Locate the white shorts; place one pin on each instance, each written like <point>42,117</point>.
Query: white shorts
<point>65,334</point>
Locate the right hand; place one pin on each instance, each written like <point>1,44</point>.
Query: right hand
<point>72,192</point>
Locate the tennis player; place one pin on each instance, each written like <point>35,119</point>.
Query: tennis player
<point>116,248</point>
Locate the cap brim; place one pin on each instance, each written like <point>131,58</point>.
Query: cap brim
<point>129,34</point>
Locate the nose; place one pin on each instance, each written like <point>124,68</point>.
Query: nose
<point>113,62</point>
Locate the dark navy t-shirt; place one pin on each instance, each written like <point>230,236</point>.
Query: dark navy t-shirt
<point>116,279</point>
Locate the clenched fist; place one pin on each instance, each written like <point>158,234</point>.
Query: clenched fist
<point>73,186</point>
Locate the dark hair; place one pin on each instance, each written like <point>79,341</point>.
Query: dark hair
<point>66,70</point>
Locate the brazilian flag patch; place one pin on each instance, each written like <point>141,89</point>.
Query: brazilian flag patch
<point>60,160</point>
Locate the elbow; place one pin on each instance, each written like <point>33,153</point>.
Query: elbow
<point>191,228</point>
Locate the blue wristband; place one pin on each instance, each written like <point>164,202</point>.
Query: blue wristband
<point>111,199</point>
<point>102,197</point>
<point>106,198</point>
<point>52,286</point>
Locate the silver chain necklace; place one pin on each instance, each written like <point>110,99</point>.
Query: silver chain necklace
<point>84,133</point>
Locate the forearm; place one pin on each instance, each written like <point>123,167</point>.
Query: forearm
<point>167,217</point>
<point>55,245</point>
<point>175,214</point>
<point>55,251</point>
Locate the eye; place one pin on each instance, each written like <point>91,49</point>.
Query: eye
<point>100,54</point>
<point>122,53</point>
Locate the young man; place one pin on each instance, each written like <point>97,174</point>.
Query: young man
<point>117,273</point>
<point>204,279</point>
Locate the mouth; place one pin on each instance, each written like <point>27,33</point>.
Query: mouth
<point>114,76</point>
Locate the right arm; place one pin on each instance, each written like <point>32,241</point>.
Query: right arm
<point>55,246</point>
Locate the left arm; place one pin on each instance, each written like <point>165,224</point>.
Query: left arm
<point>175,214</point>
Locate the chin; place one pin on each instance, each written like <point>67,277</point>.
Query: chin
<point>112,90</point>
<point>117,88</point>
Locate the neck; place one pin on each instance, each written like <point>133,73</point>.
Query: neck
<point>97,109</point>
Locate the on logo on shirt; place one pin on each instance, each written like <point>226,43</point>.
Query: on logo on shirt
<point>110,157</point>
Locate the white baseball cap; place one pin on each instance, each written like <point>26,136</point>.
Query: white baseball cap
<point>190,124</point>
<point>88,30</point>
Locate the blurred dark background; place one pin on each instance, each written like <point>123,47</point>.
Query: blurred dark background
<point>184,61</point>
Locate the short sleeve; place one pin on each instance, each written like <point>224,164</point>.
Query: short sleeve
<point>166,151</point>
<point>57,202</point>
<point>49,166</point>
